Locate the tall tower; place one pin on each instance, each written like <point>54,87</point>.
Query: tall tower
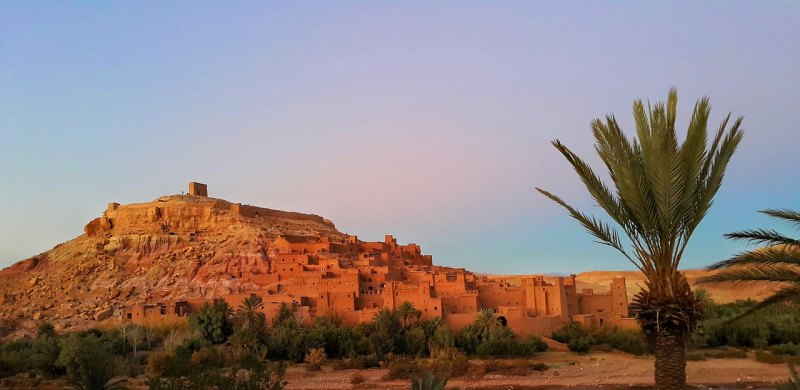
<point>198,189</point>
<point>619,297</point>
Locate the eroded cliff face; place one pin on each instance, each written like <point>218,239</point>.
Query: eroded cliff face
<point>177,246</point>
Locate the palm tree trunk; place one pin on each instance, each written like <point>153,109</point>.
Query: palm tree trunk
<point>670,351</point>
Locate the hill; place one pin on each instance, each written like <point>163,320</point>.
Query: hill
<point>720,292</point>
<point>177,246</point>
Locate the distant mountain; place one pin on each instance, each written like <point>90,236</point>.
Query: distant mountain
<point>719,292</point>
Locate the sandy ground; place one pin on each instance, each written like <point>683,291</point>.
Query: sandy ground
<point>593,371</point>
<point>597,370</point>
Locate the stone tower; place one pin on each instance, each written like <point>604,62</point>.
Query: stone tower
<point>198,189</point>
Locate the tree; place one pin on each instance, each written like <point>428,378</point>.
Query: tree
<point>283,315</point>
<point>88,363</point>
<point>407,314</point>
<point>777,262</point>
<point>136,335</point>
<point>485,323</point>
<point>249,312</point>
<point>211,322</point>
<point>663,190</point>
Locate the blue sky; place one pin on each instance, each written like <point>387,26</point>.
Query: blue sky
<point>428,120</point>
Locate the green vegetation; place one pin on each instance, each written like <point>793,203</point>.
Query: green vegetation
<point>661,191</point>
<point>428,381</point>
<point>580,339</point>
<point>777,262</point>
<point>226,350</point>
<point>212,321</point>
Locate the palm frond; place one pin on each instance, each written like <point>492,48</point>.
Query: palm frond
<point>764,256</point>
<point>787,295</point>
<point>763,236</point>
<point>785,214</point>
<point>597,189</point>
<point>602,231</point>
<point>764,273</point>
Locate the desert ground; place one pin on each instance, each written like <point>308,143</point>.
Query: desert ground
<point>568,370</point>
<point>597,370</point>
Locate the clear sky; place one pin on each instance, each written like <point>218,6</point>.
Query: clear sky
<point>428,120</point>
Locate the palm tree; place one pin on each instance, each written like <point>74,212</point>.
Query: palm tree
<point>223,307</point>
<point>249,311</point>
<point>284,316</point>
<point>663,189</point>
<point>778,262</point>
<point>485,323</point>
<point>407,314</point>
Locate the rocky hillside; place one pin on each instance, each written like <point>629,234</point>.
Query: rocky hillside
<point>176,246</point>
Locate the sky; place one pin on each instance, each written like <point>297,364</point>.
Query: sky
<point>431,121</point>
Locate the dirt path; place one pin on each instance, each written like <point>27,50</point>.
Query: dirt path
<point>598,370</point>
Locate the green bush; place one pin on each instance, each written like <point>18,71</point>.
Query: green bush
<point>580,344</point>
<point>428,381</point>
<point>449,363</point>
<point>359,362</point>
<point>695,356</point>
<point>15,357</point>
<point>786,349</point>
<point>401,367</point>
<point>629,341</point>
<point>88,364</point>
<point>212,322</point>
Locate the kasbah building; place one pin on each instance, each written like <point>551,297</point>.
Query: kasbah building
<point>353,280</point>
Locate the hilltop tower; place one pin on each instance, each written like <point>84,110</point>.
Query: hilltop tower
<point>198,189</point>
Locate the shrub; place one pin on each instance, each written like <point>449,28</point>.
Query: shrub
<point>504,367</point>
<point>629,341</point>
<point>357,379</point>
<point>428,381</point>
<point>695,356</point>
<point>211,323</point>
<point>414,341</point>
<point>577,338</point>
<point>500,342</point>
<point>770,358</point>
<point>786,349</point>
<point>46,350</point>
<point>360,362</point>
<point>529,346</point>
<point>442,338</point>
<point>315,358</point>
<point>15,357</point>
<point>571,330</point>
<point>449,363</point>
<point>468,340</point>
<point>207,357</point>
<point>580,344</point>
<point>540,367</point>
<point>89,365</point>
<point>726,353</point>
<point>402,367</point>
